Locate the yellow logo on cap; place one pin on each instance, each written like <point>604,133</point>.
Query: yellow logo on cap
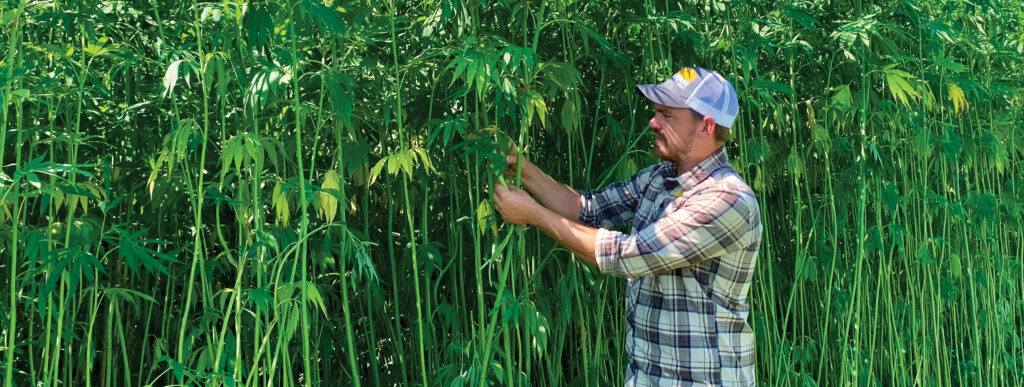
<point>688,74</point>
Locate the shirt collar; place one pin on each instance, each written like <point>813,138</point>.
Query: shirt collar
<point>695,175</point>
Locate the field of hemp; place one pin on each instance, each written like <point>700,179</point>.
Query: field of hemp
<point>290,193</point>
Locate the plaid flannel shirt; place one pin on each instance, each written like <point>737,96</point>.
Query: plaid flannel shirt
<point>689,262</point>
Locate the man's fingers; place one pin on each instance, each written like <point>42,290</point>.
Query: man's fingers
<point>499,195</point>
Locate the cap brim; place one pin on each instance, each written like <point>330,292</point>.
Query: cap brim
<point>662,94</point>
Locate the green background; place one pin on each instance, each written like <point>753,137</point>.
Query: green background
<point>297,193</point>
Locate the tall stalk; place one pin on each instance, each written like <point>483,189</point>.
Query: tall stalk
<point>303,204</point>
<point>405,191</point>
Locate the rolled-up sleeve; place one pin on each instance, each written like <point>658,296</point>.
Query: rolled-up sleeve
<point>615,204</point>
<point>709,225</point>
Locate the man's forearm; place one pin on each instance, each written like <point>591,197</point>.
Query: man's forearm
<point>576,237</point>
<point>555,196</point>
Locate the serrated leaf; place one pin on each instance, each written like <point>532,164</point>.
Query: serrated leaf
<point>956,95</point>
<point>950,65</point>
<point>280,200</point>
<point>899,86</point>
<point>405,159</point>
<point>375,171</point>
<point>424,158</point>
<point>328,204</point>
<point>540,108</point>
<point>132,248</point>
<point>843,96</point>
<point>313,295</point>
<point>484,212</point>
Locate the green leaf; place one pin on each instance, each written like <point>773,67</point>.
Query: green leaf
<point>258,24</point>
<point>339,87</point>
<point>808,267</point>
<point>538,107</point>
<point>564,75</point>
<point>405,159</point>
<point>842,96</point>
<point>924,256</point>
<point>171,76</point>
<point>800,16</point>
<point>375,171</point>
<point>291,322</point>
<point>9,16</point>
<point>540,328</point>
<point>774,86</point>
<point>484,216</point>
<point>956,95</point>
<point>424,158</point>
<point>821,137</point>
<point>260,298</point>
<point>33,179</point>
<point>899,85</point>
<point>179,370</point>
<point>942,30</point>
<point>445,129</point>
<point>955,265</point>
<point>570,115</point>
<point>393,164</point>
<point>460,62</point>
<point>264,84</point>
<point>327,19</point>
<point>950,65</point>
<point>313,295</point>
<point>795,163</point>
<point>609,51</point>
<point>133,250</point>
<point>890,197</point>
<point>128,295</point>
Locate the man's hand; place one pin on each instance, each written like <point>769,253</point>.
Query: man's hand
<point>550,194</point>
<point>515,205</point>
<point>512,161</point>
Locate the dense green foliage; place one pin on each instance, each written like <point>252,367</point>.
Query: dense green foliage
<point>298,193</point>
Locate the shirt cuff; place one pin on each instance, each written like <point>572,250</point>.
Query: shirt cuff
<point>606,250</point>
<point>586,210</point>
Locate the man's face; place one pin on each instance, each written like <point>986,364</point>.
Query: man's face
<point>675,132</point>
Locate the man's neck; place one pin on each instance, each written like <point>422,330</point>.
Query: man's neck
<point>692,162</point>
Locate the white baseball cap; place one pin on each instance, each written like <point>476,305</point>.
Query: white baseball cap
<point>704,91</point>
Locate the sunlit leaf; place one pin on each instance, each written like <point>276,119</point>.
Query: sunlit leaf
<point>328,204</point>
<point>956,95</point>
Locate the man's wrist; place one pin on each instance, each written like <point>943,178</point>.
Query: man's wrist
<point>528,174</point>
<point>537,214</point>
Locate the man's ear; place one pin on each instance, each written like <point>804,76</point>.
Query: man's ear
<point>709,125</point>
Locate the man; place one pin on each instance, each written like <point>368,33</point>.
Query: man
<point>696,233</point>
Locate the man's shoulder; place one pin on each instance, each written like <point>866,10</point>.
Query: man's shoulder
<point>727,178</point>
<point>728,183</point>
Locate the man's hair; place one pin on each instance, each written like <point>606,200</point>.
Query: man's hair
<point>721,132</point>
